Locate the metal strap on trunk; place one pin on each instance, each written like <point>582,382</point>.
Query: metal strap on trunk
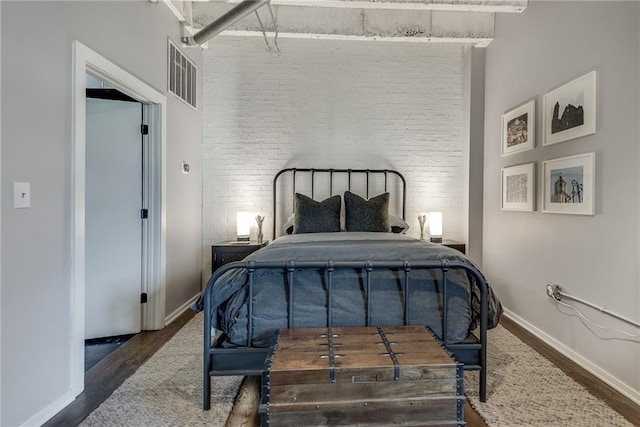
<point>265,390</point>
<point>332,356</point>
<point>391,353</point>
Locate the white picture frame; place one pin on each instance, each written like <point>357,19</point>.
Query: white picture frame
<point>518,187</point>
<point>568,185</point>
<point>569,112</point>
<point>519,129</point>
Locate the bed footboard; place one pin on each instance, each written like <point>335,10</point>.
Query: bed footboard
<point>249,359</point>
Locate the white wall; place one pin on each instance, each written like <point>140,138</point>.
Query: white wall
<point>593,257</point>
<point>36,147</point>
<point>330,104</point>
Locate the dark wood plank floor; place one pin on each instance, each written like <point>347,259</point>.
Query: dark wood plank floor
<point>104,378</point>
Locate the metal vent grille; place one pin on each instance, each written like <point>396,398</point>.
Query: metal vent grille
<point>182,76</point>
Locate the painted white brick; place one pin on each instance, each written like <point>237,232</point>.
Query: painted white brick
<point>329,104</point>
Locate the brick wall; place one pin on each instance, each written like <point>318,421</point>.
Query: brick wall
<point>329,104</point>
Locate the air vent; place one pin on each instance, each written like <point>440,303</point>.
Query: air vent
<point>182,76</point>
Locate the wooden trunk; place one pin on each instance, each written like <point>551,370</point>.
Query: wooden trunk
<point>389,375</point>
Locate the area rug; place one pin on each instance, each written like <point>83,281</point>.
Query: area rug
<point>524,389</point>
<point>167,389</point>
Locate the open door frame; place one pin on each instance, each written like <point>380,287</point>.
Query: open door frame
<point>86,61</point>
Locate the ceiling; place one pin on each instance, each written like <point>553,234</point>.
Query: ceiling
<point>428,21</point>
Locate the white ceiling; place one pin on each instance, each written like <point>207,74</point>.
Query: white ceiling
<point>432,21</point>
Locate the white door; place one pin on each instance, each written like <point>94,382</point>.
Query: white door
<point>113,225</point>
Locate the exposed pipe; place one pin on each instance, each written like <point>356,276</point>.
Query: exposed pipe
<point>275,28</point>
<point>235,14</point>
<point>555,292</point>
<point>264,34</point>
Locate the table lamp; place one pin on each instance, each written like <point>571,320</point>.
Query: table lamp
<point>435,227</point>
<point>243,223</point>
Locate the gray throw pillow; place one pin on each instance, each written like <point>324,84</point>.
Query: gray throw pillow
<point>317,217</point>
<point>367,215</point>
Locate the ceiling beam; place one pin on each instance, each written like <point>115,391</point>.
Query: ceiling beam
<point>477,42</point>
<point>486,6</point>
<point>357,23</point>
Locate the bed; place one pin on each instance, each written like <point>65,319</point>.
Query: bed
<point>345,263</point>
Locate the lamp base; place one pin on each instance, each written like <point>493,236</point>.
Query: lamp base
<point>243,238</point>
<point>436,239</point>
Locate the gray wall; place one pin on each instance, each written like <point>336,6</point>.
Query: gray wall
<point>592,257</point>
<point>36,147</point>
<point>474,151</point>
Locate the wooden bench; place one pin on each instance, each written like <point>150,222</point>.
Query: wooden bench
<point>390,375</point>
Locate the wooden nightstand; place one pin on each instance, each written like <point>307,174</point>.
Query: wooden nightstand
<point>225,252</point>
<point>454,245</point>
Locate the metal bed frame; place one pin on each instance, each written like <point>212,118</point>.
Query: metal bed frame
<point>250,360</point>
<point>331,172</point>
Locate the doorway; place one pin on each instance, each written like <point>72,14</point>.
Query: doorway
<point>153,253</point>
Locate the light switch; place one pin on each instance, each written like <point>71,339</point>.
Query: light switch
<point>21,195</point>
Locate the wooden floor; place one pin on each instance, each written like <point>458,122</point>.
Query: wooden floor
<point>105,377</point>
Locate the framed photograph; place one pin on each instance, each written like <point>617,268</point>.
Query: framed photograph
<point>518,183</point>
<point>568,184</point>
<point>519,129</point>
<point>570,110</point>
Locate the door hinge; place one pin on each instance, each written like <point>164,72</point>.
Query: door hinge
<point>144,129</point>
<point>144,213</point>
<point>143,298</point>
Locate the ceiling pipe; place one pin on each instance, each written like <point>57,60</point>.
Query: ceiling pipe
<point>234,14</point>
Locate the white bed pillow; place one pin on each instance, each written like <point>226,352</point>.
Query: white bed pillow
<point>398,225</point>
<point>288,226</point>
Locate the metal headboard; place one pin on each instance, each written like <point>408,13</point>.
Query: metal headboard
<point>331,172</point>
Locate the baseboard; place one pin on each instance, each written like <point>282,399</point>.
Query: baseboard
<point>184,307</point>
<point>600,373</point>
<point>50,411</point>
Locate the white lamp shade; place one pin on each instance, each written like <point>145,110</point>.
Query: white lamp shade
<point>435,224</point>
<point>243,222</point>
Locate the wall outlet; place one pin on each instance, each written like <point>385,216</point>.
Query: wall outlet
<point>185,168</point>
<point>553,291</point>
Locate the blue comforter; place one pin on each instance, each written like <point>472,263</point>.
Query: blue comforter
<point>229,294</point>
